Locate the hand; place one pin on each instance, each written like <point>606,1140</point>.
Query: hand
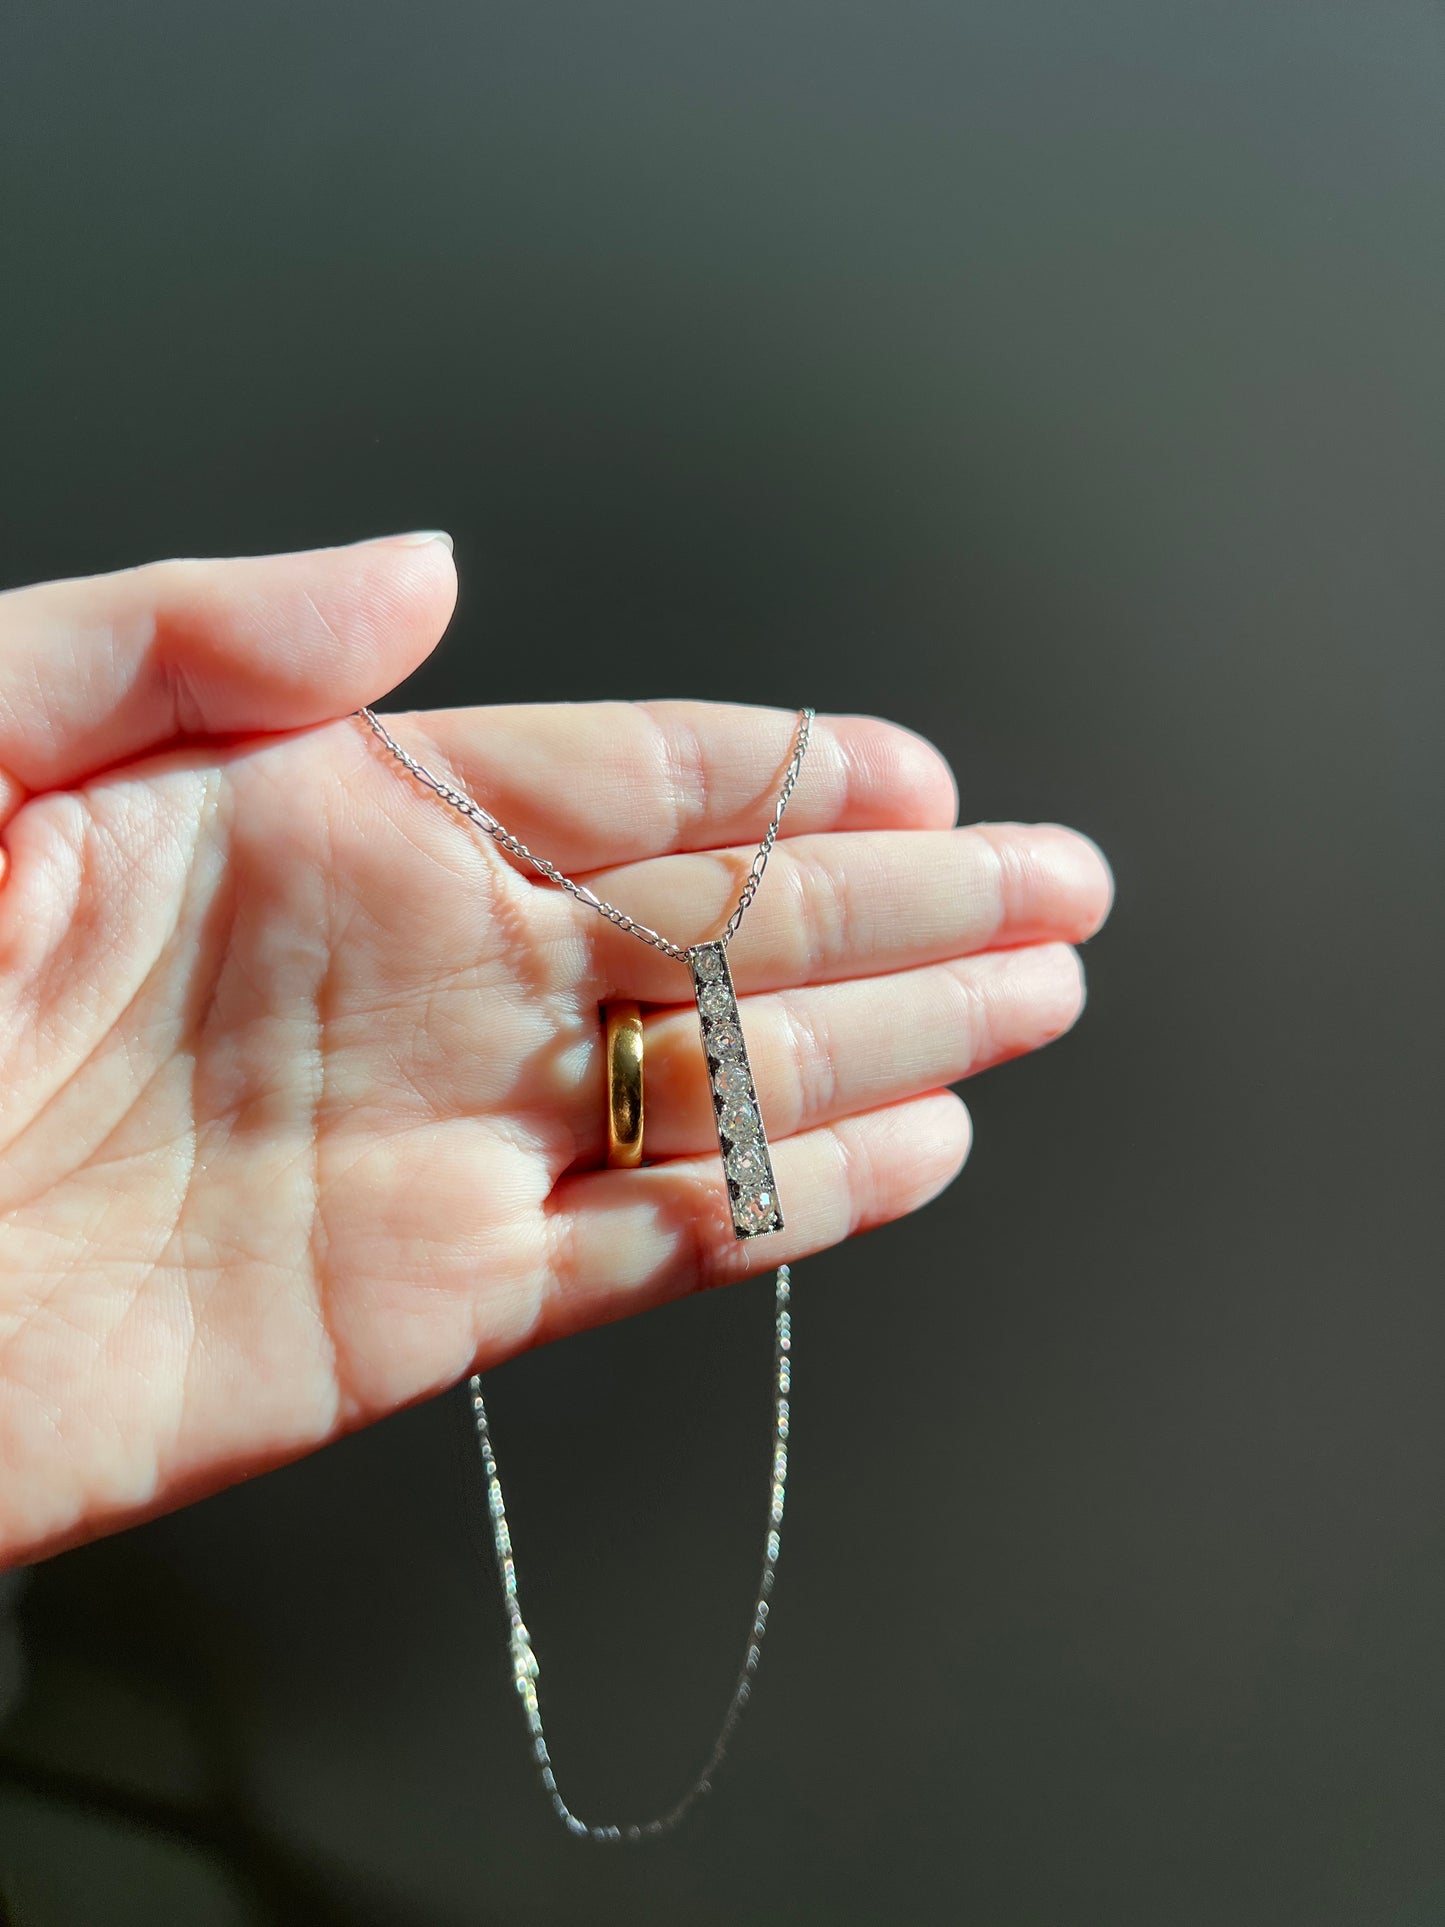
<point>301,1081</point>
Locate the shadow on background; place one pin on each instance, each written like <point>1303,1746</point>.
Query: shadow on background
<point>1066,383</point>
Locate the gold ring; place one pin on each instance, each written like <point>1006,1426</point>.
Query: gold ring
<point>624,1084</point>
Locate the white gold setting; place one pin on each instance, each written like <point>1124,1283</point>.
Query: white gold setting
<point>741,1137</point>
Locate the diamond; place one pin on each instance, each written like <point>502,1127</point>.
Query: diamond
<point>725,1040</point>
<point>739,1119</point>
<point>715,1000</point>
<point>757,1212</point>
<point>747,1168</point>
<point>707,966</point>
<point>731,1080</point>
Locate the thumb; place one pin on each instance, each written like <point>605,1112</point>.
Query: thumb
<point>103,668</point>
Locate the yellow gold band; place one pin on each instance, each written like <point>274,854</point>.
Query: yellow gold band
<point>624,1084</point>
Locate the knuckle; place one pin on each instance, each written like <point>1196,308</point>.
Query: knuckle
<point>993,873</point>
<point>972,1020</point>
<point>808,1060</point>
<point>825,908</point>
<point>682,765</point>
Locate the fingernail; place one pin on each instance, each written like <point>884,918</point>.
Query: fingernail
<point>420,536</point>
<point>413,539</point>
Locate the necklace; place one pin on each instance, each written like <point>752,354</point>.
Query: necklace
<point>747,1164</point>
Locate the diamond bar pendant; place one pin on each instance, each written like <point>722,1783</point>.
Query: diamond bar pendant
<point>740,1133</point>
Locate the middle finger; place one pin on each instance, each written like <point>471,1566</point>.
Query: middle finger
<point>839,906</point>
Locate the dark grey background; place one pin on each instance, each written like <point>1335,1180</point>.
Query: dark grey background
<point>1065,381</point>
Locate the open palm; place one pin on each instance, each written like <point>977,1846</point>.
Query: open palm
<point>301,1083</point>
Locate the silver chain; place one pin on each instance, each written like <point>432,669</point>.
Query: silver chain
<point>525,1669</point>
<point>472,810</point>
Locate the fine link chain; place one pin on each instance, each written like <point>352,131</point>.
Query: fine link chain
<point>765,848</point>
<point>472,810</point>
<point>525,1670</point>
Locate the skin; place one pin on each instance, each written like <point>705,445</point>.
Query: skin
<point>301,1082</point>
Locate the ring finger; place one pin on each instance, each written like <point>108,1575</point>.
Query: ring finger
<point>826,1051</point>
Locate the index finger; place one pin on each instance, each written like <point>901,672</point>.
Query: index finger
<point>590,785</point>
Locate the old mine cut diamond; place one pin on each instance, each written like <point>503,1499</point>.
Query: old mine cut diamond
<point>739,1119</point>
<point>708,966</point>
<point>757,1211</point>
<point>715,1000</point>
<point>731,1079</point>
<point>724,1040</point>
<point>747,1169</point>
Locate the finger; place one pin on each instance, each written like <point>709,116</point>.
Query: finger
<point>852,906</point>
<point>823,1052</point>
<point>102,668</point>
<point>623,1240</point>
<point>588,784</point>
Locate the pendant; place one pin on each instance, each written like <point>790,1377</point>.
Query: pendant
<point>740,1134</point>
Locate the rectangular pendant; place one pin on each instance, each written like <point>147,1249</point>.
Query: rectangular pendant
<point>740,1134</point>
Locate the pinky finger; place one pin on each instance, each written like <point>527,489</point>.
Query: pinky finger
<point>625,1240</point>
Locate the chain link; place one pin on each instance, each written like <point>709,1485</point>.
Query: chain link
<point>765,848</point>
<point>472,810</point>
